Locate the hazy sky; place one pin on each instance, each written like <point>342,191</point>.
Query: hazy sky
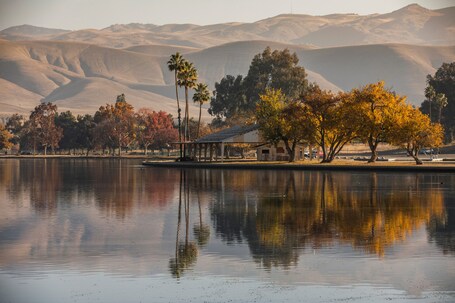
<point>78,14</point>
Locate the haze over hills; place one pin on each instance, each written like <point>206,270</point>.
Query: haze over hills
<point>81,70</point>
<point>412,24</point>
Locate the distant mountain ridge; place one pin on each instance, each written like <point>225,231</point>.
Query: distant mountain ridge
<point>412,24</point>
<point>81,70</point>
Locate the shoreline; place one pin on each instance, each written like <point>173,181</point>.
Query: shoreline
<point>337,166</point>
<point>309,165</point>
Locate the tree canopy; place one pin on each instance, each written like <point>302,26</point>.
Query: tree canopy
<point>374,110</point>
<point>281,120</point>
<point>236,97</point>
<point>440,94</point>
<point>5,138</point>
<point>413,131</point>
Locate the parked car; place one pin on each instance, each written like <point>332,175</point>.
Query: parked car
<point>427,151</point>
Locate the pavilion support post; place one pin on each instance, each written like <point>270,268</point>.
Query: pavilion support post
<point>217,146</point>
<point>211,152</point>
<point>205,152</point>
<point>222,151</point>
<point>200,151</point>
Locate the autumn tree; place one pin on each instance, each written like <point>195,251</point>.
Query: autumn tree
<point>5,138</point>
<point>281,120</point>
<point>413,131</point>
<point>334,120</point>
<point>42,127</point>
<point>116,124</point>
<point>154,129</point>
<point>374,107</point>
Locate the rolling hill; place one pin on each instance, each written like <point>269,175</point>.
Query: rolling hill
<point>81,70</point>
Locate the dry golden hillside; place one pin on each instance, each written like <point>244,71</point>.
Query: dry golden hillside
<point>81,70</point>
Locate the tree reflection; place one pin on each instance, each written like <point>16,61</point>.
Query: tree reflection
<point>296,210</point>
<point>40,180</point>
<point>114,185</point>
<point>201,231</point>
<point>442,232</point>
<point>186,252</point>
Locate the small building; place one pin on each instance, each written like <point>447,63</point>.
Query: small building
<point>270,152</point>
<point>213,144</point>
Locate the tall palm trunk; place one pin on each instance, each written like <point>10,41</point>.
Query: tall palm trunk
<point>199,120</point>
<point>178,111</point>
<point>187,115</point>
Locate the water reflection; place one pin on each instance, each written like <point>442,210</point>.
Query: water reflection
<point>186,252</point>
<point>114,214</point>
<point>292,210</point>
<point>442,232</point>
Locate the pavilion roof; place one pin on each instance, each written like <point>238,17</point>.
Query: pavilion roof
<point>228,134</point>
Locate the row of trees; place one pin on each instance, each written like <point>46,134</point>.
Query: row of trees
<point>371,114</point>
<point>113,127</point>
<point>185,75</point>
<point>277,95</point>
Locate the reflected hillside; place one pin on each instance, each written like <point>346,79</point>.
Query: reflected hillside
<point>288,211</point>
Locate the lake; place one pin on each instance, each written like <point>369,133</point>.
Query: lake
<point>110,230</point>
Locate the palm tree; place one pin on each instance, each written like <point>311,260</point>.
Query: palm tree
<point>187,78</point>
<point>201,95</point>
<point>175,64</point>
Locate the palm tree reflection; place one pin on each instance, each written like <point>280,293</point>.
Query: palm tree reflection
<point>186,252</point>
<point>201,231</point>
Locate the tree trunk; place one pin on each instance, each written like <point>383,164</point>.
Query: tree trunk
<point>179,115</point>
<point>416,158</point>
<point>187,124</point>
<point>373,148</point>
<point>328,158</point>
<point>199,121</point>
<point>415,155</point>
<point>290,150</point>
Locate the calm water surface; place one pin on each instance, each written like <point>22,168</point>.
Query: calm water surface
<point>113,231</point>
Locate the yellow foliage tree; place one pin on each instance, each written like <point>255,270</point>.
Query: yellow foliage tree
<point>414,131</point>
<point>5,138</point>
<point>375,107</point>
<point>335,118</point>
<point>279,120</point>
